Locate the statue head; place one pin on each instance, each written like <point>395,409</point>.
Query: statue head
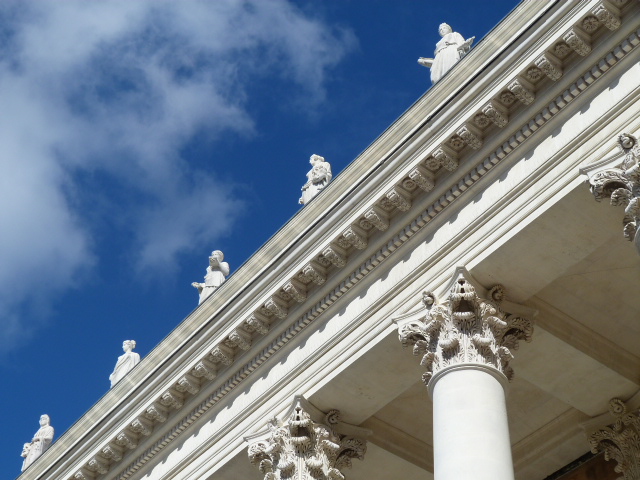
<point>128,345</point>
<point>444,29</point>
<point>626,141</point>
<point>218,255</point>
<point>25,450</point>
<point>316,159</point>
<point>44,420</point>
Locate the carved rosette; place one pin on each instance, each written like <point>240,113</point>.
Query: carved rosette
<point>305,447</point>
<point>622,186</point>
<point>620,441</point>
<point>465,328</point>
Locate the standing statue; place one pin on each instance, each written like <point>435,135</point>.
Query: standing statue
<point>41,441</point>
<point>451,48</point>
<point>318,177</point>
<point>217,272</point>
<point>125,362</point>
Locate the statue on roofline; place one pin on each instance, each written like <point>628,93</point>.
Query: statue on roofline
<point>39,444</point>
<point>125,362</point>
<point>449,50</point>
<point>317,178</point>
<point>217,271</point>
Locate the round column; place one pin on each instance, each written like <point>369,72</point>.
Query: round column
<point>470,428</point>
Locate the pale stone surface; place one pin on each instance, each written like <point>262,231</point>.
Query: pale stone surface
<point>449,50</point>
<point>217,272</point>
<point>317,178</point>
<point>125,362</point>
<point>307,445</point>
<point>39,444</point>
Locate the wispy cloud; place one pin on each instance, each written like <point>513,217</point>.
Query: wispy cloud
<point>114,91</point>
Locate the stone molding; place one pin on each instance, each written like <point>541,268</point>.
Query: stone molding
<point>468,327</point>
<point>620,440</point>
<point>307,444</point>
<point>260,321</point>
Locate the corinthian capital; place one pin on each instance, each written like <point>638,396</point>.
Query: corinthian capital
<point>470,325</point>
<point>307,444</point>
<point>620,440</point>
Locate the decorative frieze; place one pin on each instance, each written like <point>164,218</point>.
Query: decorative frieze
<point>496,114</point>
<point>296,290</point>
<point>607,15</point>
<point>550,66</point>
<point>156,413</point>
<point>307,445</point>
<point>375,217</point>
<point>335,255</point>
<point>622,186</point>
<point>468,326</point>
<point>578,42</point>
<point>523,91</point>
<point>620,441</point>
<point>470,135</point>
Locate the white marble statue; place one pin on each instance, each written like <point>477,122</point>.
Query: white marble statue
<point>451,48</point>
<point>41,441</point>
<point>318,177</point>
<point>217,272</point>
<point>125,362</point>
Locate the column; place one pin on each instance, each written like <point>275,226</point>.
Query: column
<point>308,444</point>
<point>465,341</point>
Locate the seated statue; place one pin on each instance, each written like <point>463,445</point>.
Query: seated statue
<point>125,362</point>
<point>41,441</point>
<point>217,271</point>
<point>451,48</point>
<point>317,179</point>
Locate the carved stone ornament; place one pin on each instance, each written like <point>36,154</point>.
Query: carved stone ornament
<point>308,445</point>
<point>468,326</point>
<point>620,441</point>
<point>621,185</point>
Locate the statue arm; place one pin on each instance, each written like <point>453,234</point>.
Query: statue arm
<point>425,62</point>
<point>224,267</point>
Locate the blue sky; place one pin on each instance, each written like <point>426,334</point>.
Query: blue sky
<point>138,136</point>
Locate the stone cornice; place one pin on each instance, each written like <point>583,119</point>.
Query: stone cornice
<point>247,321</point>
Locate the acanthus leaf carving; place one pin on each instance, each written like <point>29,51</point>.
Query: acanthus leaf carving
<point>312,272</point>
<point>622,186</point>
<point>523,91</point>
<point>470,135</point>
<point>204,369</point>
<point>98,465</point>
<point>550,66</point>
<point>423,178</point>
<point>306,445</point>
<point>112,452</point>
<point>276,307</point>
<point>126,440</point>
<point>446,158</point>
<point>396,197</point>
<point>609,17</point>
<point>356,237</point>
<point>336,255</point>
<point>155,412</point>
<point>377,218</point>
<point>578,42</point>
<point>222,354</point>
<point>620,441</point>
<point>141,426</point>
<point>239,338</point>
<point>257,322</point>
<point>465,328</point>
<point>172,399</point>
<point>188,384</point>
<point>296,290</point>
<point>496,114</point>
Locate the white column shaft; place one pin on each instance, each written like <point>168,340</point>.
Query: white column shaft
<point>470,429</point>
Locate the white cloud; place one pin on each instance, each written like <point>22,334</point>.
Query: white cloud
<point>116,89</point>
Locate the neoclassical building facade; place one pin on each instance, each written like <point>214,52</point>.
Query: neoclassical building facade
<point>461,302</point>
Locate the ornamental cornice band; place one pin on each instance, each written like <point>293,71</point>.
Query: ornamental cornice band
<point>465,327</point>
<point>620,441</point>
<point>307,445</point>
